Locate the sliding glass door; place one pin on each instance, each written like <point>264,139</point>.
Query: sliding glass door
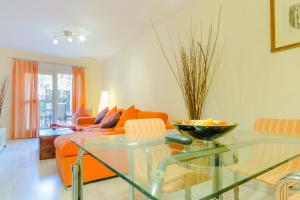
<point>55,97</point>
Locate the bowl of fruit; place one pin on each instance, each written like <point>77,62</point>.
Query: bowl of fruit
<point>208,129</point>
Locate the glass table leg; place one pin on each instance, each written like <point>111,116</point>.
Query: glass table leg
<point>131,172</point>
<point>236,191</point>
<point>188,194</point>
<point>218,175</point>
<point>77,178</point>
<point>75,182</point>
<point>216,161</point>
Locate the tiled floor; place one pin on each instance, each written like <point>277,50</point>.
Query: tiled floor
<point>23,176</point>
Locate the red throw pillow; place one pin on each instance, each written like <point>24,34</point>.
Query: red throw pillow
<point>130,113</point>
<point>111,120</point>
<point>101,116</point>
<point>81,112</point>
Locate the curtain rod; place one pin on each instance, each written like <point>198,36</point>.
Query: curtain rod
<point>45,62</point>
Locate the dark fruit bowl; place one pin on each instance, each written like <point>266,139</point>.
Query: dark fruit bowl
<point>204,132</point>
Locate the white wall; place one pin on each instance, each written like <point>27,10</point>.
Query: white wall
<point>251,82</point>
<point>93,83</point>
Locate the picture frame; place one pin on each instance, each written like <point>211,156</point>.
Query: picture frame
<point>285,24</point>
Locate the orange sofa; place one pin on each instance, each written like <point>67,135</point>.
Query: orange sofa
<point>66,151</point>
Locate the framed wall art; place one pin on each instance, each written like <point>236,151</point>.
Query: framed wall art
<point>285,24</point>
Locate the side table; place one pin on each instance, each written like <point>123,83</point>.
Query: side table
<point>47,137</point>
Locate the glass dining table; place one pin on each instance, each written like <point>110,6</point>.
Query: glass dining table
<point>161,169</point>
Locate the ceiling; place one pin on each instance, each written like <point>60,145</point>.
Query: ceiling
<point>108,24</point>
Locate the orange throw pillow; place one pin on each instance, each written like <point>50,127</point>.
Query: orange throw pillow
<point>130,113</point>
<point>110,112</point>
<point>81,112</point>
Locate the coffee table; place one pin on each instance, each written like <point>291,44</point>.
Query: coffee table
<point>47,137</point>
<point>203,170</point>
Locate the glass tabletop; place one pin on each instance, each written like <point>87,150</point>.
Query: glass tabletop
<point>203,170</point>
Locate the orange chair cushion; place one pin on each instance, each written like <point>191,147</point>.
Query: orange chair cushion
<point>149,115</point>
<point>130,113</point>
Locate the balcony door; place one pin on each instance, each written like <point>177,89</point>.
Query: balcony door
<point>55,98</point>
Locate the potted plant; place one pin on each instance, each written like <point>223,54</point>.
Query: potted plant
<point>3,89</point>
<point>194,65</point>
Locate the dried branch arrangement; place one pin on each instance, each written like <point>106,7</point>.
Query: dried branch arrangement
<point>195,65</point>
<point>3,89</point>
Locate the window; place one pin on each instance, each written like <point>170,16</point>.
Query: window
<point>45,84</point>
<point>55,96</point>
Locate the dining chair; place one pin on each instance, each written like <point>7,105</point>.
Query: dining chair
<point>280,127</point>
<point>177,176</point>
<point>286,182</point>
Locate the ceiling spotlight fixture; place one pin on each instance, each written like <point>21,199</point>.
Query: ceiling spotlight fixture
<point>69,36</point>
<point>81,38</point>
<point>55,41</point>
<point>70,39</point>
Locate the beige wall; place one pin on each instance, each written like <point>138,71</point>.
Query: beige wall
<point>250,83</point>
<point>93,83</point>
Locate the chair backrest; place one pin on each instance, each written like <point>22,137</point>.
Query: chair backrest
<point>142,129</point>
<point>268,154</point>
<point>148,159</point>
<point>289,127</point>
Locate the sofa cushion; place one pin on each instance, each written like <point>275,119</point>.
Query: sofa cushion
<point>66,148</point>
<point>56,126</point>
<point>119,130</point>
<point>85,120</point>
<point>130,113</point>
<point>83,127</point>
<point>151,115</point>
<point>111,120</point>
<point>98,129</point>
<point>101,116</point>
<point>169,126</point>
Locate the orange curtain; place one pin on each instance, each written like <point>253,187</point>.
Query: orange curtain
<point>78,89</point>
<point>25,106</point>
